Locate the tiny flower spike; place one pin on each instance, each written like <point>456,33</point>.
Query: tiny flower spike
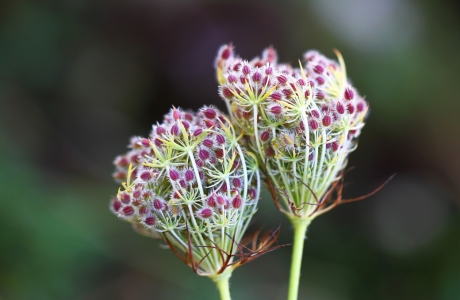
<point>193,186</point>
<point>302,123</point>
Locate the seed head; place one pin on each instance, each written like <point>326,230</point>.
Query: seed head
<point>301,122</point>
<point>191,184</point>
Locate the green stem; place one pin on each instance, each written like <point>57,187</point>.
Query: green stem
<point>300,229</point>
<point>221,281</point>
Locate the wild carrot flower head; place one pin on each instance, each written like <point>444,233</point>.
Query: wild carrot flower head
<point>301,122</point>
<point>190,184</point>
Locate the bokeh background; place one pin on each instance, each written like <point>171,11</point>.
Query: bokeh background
<point>78,78</point>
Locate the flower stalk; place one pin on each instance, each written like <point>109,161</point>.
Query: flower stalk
<point>300,229</point>
<point>222,282</point>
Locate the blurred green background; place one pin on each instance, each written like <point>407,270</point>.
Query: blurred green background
<point>79,77</point>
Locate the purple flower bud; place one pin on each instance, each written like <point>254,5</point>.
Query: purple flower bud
<point>159,204</point>
<point>189,175</point>
<point>301,125</point>
<point>199,163</point>
<point>315,113</point>
<point>268,70</point>
<point>313,124</point>
<point>325,108</point>
<point>301,82</point>
<point>320,95</point>
<point>340,108</point>
<point>219,153</point>
<point>125,198</point>
<point>265,136</point>
<point>237,202</point>
<point>121,161</point>
<point>226,52</point>
<point>212,201</point>
<point>360,106</point>
<point>176,114</point>
<point>287,93</point>
<point>185,124</point>
<point>266,82</point>
<point>282,79</point>
<point>174,130</point>
<point>173,174</point>
<point>209,113</point>
<point>350,108</point>
<point>128,211</point>
<point>197,132</point>
<point>220,139</point>
<point>231,78</point>
<point>146,176</point>
<point>116,205</point>
<point>220,200</point>
<point>204,213</point>
<point>276,109</point>
<point>188,117</point>
<point>150,221</point>
<point>237,182</point>
<point>223,187</point>
<point>335,146</point>
<point>158,142</point>
<point>252,193</point>
<point>143,210</point>
<point>349,94</point>
<point>227,92</point>
<point>160,130</point>
<point>203,154</point>
<point>222,119</point>
<point>318,69</point>
<point>320,80</point>
<point>145,142</point>
<point>246,70</point>
<point>256,77</point>
<point>276,96</point>
<point>208,143</point>
<point>327,120</point>
<point>208,123</point>
<point>135,159</point>
<point>136,193</point>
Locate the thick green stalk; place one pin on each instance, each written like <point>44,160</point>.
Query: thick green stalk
<point>300,228</point>
<point>221,281</point>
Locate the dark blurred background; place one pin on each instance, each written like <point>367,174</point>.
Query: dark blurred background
<point>79,77</point>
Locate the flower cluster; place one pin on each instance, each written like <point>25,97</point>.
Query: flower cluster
<point>302,122</point>
<point>191,184</point>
